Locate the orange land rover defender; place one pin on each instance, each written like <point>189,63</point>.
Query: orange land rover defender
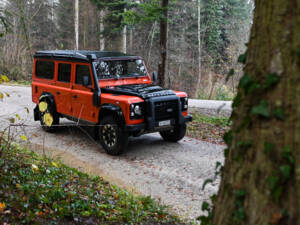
<point>109,89</point>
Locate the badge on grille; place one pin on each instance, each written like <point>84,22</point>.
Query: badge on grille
<point>169,110</point>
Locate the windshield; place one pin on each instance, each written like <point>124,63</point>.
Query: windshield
<point>120,68</point>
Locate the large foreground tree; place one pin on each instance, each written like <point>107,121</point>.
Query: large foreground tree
<point>261,177</point>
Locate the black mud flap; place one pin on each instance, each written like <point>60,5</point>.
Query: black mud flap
<point>36,113</point>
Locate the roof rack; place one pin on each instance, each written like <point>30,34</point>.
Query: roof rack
<point>79,54</point>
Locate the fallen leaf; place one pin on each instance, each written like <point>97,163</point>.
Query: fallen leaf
<point>27,109</point>
<point>4,78</point>
<point>7,212</point>
<point>2,206</point>
<point>276,217</point>
<point>54,164</point>
<point>116,196</point>
<point>23,137</point>
<point>34,168</point>
<point>18,116</point>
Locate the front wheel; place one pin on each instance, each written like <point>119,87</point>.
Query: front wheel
<point>111,136</point>
<point>174,135</point>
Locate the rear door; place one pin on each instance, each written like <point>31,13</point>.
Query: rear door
<point>63,88</point>
<point>82,96</point>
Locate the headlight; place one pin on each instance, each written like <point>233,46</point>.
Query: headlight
<point>136,111</point>
<point>184,104</point>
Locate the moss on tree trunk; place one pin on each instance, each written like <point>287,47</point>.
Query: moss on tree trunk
<point>261,176</point>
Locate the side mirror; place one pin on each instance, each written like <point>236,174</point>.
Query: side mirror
<point>154,76</point>
<point>85,80</point>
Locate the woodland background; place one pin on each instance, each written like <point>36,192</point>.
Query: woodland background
<point>205,46</point>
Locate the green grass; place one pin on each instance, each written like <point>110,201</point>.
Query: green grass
<point>37,190</point>
<point>207,128</point>
<point>20,82</point>
<point>218,121</point>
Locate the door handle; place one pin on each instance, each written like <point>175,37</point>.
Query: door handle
<point>75,96</point>
<point>58,93</point>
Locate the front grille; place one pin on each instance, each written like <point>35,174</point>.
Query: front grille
<point>166,110</point>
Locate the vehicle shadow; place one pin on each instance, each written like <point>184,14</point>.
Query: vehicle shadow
<point>83,135</point>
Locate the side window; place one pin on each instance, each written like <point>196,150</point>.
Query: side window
<point>82,71</point>
<point>44,69</point>
<point>64,72</point>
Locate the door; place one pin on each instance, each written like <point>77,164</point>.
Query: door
<point>82,96</point>
<point>62,90</point>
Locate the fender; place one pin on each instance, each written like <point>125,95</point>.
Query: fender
<point>112,109</point>
<point>49,96</point>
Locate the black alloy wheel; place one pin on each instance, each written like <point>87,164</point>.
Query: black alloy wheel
<point>112,137</point>
<point>174,135</point>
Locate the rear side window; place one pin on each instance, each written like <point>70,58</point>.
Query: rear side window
<point>82,71</point>
<point>64,72</point>
<point>44,69</point>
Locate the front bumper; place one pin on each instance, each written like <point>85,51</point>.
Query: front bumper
<point>142,126</point>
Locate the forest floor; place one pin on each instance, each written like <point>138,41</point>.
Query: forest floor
<point>208,128</point>
<point>37,190</point>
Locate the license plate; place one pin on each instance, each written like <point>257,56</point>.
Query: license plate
<point>164,123</point>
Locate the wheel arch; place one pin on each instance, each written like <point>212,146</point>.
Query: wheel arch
<point>48,96</point>
<point>44,96</point>
<point>112,110</point>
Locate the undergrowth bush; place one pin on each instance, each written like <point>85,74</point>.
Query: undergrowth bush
<point>38,190</point>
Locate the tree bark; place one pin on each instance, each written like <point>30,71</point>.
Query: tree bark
<point>124,33</point>
<point>101,38</point>
<point>199,50</point>
<point>261,177</point>
<point>151,42</point>
<point>162,67</point>
<point>131,39</point>
<point>76,23</point>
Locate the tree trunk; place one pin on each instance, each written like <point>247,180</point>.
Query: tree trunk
<point>101,38</point>
<point>124,33</point>
<point>261,177</point>
<point>162,67</point>
<point>151,42</point>
<point>84,29</point>
<point>131,39</point>
<point>199,50</point>
<point>76,23</point>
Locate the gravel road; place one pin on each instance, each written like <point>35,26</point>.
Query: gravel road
<point>211,108</point>
<point>172,173</point>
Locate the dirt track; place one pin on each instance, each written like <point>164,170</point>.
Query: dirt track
<point>172,173</point>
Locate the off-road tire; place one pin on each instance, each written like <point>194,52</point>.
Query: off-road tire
<point>50,111</point>
<point>111,136</point>
<point>174,135</point>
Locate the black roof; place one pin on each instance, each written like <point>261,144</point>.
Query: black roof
<point>80,55</point>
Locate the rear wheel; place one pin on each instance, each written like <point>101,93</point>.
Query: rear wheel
<point>49,118</point>
<point>174,135</point>
<point>112,137</point>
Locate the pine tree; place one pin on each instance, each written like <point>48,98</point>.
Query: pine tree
<point>113,23</point>
<point>65,24</point>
